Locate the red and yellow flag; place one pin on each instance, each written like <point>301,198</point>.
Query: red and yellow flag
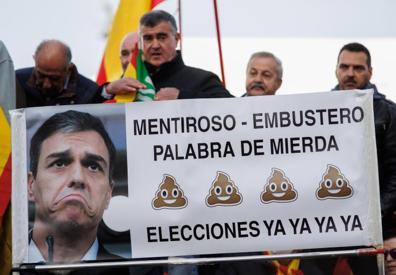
<point>5,163</point>
<point>5,195</point>
<point>125,20</point>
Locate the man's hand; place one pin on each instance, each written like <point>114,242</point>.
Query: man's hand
<point>123,86</point>
<point>167,94</point>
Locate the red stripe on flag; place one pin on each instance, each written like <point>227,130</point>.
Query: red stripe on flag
<point>5,187</point>
<point>102,78</point>
<point>134,57</point>
<point>155,3</point>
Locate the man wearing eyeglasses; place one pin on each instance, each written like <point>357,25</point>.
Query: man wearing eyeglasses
<point>390,251</point>
<point>54,80</point>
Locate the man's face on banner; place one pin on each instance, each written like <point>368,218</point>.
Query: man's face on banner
<point>72,187</point>
<point>159,43</point>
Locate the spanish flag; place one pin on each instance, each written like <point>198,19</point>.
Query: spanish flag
<point>125,20</point>
<point>5,195</point>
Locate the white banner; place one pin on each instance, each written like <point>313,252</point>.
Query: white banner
<point>200,176</point>
<point>252,174</point>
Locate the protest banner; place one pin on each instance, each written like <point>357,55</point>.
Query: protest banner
<point>211,176</point>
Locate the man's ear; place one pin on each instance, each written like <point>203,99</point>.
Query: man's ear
<point>31,182</point>
<point>279,83</point>
<point>371,72</point>
<point>177,36</point>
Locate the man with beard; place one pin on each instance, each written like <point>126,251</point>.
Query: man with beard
<point>263,74</point>
<point>54,80</point>
<point>354,71</point>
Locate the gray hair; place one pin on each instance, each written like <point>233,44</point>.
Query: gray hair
<point>279,68</point>
<point>155,17</point>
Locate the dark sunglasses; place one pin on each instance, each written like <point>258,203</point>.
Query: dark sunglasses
<point>391,252</point>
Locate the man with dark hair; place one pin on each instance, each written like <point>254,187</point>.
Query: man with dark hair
<point>54,80</point>
<point>172,79</point>
<point>264,74</point>
<point>70,183</point>
<point>354,71</point>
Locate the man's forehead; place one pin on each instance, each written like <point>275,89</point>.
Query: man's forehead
<point>50,65</point>
<point>49,71</point>
<point>348,57</point>
<point>162,27</point>
<point>60,141</point>
<point>390,242</point>
<point>129,41</point>
<point>259,61</point>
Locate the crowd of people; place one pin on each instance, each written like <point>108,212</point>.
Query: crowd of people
<point>64,143</point>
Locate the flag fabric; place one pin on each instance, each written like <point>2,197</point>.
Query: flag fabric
<point>5,195</point>
<point>5,164</point>
<point>291,268</point>
<point>5,242</point>
<point>136,69</point>
<point>7,81</point>
<point>125,20</point>
<point>7,102</point>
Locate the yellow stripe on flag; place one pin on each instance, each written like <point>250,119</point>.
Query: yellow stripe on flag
<point>125,20</point>
<point>5,141</point>
<point>129,72</point>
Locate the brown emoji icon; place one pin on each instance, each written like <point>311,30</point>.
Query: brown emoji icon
<point>169,195</point>
<point>334,185</point>
<point>223,192</point>
<point>278,188</point>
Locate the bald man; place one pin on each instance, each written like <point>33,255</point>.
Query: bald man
<point>128,44</point>
<point>125,85</point>
<point>54,80</point>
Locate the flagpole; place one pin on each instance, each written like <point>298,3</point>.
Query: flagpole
<point>219,41</point>
<point>180,23</point>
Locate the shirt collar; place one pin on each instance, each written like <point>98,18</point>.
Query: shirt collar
<point>34,254</point>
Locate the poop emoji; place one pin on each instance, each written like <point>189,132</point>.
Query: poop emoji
<point>333,185</point>
<point>278,188</point>
<point>223,192</point>
<point>169,195</point>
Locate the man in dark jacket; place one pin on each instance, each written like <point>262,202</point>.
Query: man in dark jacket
<point>172,79</point>
<point>54,80</point>
<point>354,71</point>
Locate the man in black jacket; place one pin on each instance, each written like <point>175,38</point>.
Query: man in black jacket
<point>172,79</point>
<point>54,80</point>
<point>354,72</point>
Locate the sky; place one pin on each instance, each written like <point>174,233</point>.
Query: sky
<point>305,34</point>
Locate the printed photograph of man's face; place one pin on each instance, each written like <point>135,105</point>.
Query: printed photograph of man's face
<point>77,162</point>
